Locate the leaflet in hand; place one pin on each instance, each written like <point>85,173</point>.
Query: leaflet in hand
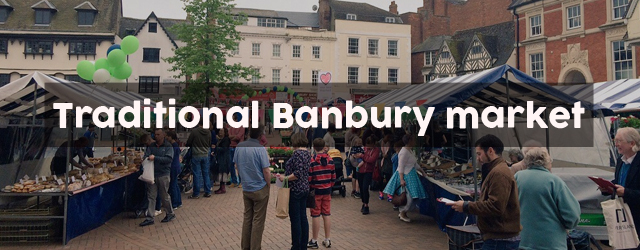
<point>445,200</point>
<point>604,184</point>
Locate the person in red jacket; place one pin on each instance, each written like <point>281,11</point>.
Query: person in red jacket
<point>365,174</point>
<point>322,175</point>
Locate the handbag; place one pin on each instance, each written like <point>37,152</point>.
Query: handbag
<point>620,226</point>
<point>399,199</point>
<point>282,202</point>
<point>311,199</point>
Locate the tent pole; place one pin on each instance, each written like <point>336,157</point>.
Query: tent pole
<point>611,147</point>
<point>472,137</point>
<point>546,119</point>
<point>66,176</point>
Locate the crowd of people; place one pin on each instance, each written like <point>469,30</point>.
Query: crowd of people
<point>521,204</point>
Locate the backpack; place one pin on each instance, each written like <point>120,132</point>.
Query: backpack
<point>581,240</point>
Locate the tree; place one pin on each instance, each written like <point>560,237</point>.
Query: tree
<point>210,36</point>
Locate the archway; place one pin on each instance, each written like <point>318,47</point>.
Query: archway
<point>574,77</point>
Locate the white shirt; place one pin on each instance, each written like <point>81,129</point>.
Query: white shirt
<point>629,160</point>
<point>329,141</point>
<point>407,161</point>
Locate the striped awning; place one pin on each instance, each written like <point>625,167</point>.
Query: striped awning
<point>17,97</point>
<point>620,96</point>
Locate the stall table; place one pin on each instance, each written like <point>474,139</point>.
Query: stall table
<point>442,213</point>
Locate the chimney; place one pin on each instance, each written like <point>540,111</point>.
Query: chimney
<point>324,14</point>
<point>393,8</point>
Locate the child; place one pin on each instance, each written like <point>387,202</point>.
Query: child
<point>355,160</point>
<point>322,175</point>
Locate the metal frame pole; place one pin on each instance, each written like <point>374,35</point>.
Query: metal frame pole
<point>66,177</point>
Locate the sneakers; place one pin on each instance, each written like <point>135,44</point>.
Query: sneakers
<point>365,211</point>
<point>207,195</point>
<point>357,195</point>
<point>405,219</point>
<point>158,212</point>
<point>327,243</point>
<point>381,196</point>
<point>312,244</point>
<point>193,197</point>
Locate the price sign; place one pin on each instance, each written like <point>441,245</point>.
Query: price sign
<point>73,179</point>
<point>26,177</point>
<point>55,177</point>
<point>59,181</point>
<point>84,177</point>
<point>101,171</point>
<point>36,179</point>
<point>21,181</point>
<point>104,165</point>
<point>44,178</point>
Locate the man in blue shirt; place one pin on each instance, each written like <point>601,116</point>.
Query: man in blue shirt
<point>91,135</point>
<point>252,162</point>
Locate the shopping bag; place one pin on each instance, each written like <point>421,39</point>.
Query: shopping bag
<point>147,174</point>
<point>622,232</point>
<point>282,202</point>
<point>399,200</point>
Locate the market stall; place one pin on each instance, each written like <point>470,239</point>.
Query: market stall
<point>30,193</point>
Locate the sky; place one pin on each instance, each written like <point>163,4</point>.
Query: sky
<point>173,8</point>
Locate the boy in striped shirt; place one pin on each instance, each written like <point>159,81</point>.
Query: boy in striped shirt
<point>322,175</point>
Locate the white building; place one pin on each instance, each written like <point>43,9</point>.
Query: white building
<point>151,76</point>
<point>53,36</point>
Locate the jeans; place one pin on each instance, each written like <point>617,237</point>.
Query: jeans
<point>364,179</point>
<point>235,179</point>
<point>299,222</point>
<point>255,213</point>
<point>174,190</point>
<point>200,167</point>
<point>161,187</point>
<point>500,245</point>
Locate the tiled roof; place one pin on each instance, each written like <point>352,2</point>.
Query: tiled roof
<point>255,12</point>
<point>65,19</point>
<point>300,19</point>
<point>135,25</point>
<point>44,4</point>
<point>430,44</point>
<point>363,11</point>
<point>86,6</point>
<point>3,3</point>
<point>498,39</point>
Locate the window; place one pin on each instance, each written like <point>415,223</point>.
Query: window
<point>390,20</point>
<point>316,52</point>
<point>275,78</point>
<point>76,78</point>
<point>153,27</point>
<point>244,20</point>
<point>446,54</point>
<point>537,66</point>
<point>353,46</point>
<point>429,58</point>
<point>4,14</point>
<point>373,47</point>
<point>352,76</point>
<point>393,76</point>
<point>393,48</point>
<point>86,17</point>
<point>150,55</point>
<point>236,50</point>
<point>573,17</point>
<point>149,84</point>
<point>296,77</point>
<point>255,49</point>
<point>373,76</point>
<point>476,49</point>
<point>619,8</point>
<point>255,79</point>
<point>4,47</point>
<point>82,48</point>
<point>296,51</point>
<point>38,47</point>
<point>270,22</point>
<point>314,78</point>
<point>4,79</point>
<point>536,25</point>
<point>622,61</point>
<point>352,17</point>
<point>276,50</point>
<point>43,17</point>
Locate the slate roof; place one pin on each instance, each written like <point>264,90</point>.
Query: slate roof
<point>430,44</point>
<point>3,3</point>
<point>44,4</point>
<point>85,6</point>
<point>498,39</point>
<point>300,19</point>
<point>135,25</point>
<point>65,19</point>
<point>256,12</point>
<point>364,11</point>
<point>518,3</point>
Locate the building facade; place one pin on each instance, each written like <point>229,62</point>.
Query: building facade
<point>632,20</point>
<point>53,36</point>
<point>578,41</point>
<point>150,75</point>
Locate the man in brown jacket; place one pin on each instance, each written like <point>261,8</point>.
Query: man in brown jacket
<point>498,209</point>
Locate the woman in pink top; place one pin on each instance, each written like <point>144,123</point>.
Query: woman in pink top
<point>365,174</point>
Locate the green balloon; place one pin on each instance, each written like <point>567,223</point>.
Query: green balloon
<point>85,70</point>
<point>280,88</point>
<point>102,63</point>
<point>116,57</point>
<point>122,72</point>
<point>290,91</point>
<point>268,90</point>
<point>129,45</point>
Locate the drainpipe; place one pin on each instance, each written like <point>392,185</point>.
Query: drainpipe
<point>517,39</point>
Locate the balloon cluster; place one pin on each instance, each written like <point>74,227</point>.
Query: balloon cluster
<point>275,89</point>
<point>112,69</point>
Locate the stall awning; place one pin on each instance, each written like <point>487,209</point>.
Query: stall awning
<point>479,90</point>
<point>620,96</point>
<point>17,97</point>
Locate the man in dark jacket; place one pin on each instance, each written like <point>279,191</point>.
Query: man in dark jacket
<point>200,143</point>
<point>498,208</point>
<point>161,153</point>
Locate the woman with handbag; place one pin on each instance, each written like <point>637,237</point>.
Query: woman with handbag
<point>365,173</point>
<point>297,173</point>
<point>406,179</point>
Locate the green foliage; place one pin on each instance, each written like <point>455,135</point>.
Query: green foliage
<point>210,36</point>
<point>630,121</point>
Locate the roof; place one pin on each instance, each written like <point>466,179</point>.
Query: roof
<point>498,39</point>
<point>518,3</point>
<point>136,25</point>
<point>44,4</point>
<point>617,95</point>
<point>255,12</point>
<point>3,3</point>
<point>86,6</point>
<point>631,8</point>
<point>22,17</point>
<point>300,19</point>
<point>363,11</point>
<point>430,44</point>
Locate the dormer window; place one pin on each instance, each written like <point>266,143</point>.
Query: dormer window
<point>390,20</point>
<point>4,13</point>
<point>352,17</point>
<point>86,14</point>
<point>44,10</point>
